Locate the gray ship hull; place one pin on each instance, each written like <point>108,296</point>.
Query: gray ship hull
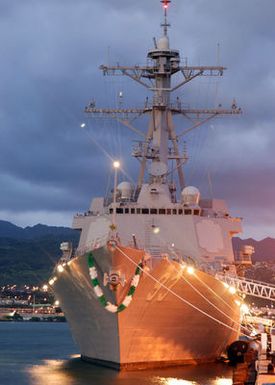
<point>158,328</point>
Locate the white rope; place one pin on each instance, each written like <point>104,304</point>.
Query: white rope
<point>213,292</point>
<point>221,298</point>
<point>178,296</point>
<point>204,297</point>
<point>200,280</point>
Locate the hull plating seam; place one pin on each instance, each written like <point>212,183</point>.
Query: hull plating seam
<point>145,365</point>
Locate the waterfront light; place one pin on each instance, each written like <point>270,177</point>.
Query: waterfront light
<point>245,308</point>
<point>223,381</point>
<point>56,303</point>
<point>253,333</point>
<point>174,381</point>
<point>45,287</point>
<point>52,281</point>
<point>190,270</point>
<point>60,268</point>
<point>232,290</point>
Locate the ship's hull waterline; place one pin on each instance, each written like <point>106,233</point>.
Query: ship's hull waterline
<point>158,328</point>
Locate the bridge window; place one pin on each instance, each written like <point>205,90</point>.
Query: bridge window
<point>111,211</point>
<point>196,212</point>
<point>138,211</point>
<point>145,211</point>
<point>169,211</point>
<point>180,211</point>
<point>174,211</point>
<point>161,211</point>
<point>119,210</point>
<point>133,211</point>
<point>153,211</point>
<point>126,211</point>
<point>187,211</point>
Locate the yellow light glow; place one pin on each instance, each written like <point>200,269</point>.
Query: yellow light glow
<point>174,381</point>
<point>116,164</point>
<point>245,308</point>
<point>52,280</point>
<point>237,302</point>
<point>225,285</point>
<point>45,287</point>
<point>156,230</point>
<point>56,303</point>
<point>50,372</point>
<point>74,356</point>
<point>60,268</point>
<point>223,381</point>
<point>190,270</point>
<point>232,290</point>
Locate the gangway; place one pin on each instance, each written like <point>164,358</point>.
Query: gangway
<point>248,286</point>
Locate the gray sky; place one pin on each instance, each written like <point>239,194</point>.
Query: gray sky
<point>50,52</point>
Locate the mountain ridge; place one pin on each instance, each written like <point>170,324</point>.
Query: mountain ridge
<point>28,255</point>
<point>10,230</point>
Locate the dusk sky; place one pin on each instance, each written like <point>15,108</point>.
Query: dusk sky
<point>50,53</point>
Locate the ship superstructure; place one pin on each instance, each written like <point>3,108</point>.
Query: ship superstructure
<point>143,277</point>
<point>200,228</point>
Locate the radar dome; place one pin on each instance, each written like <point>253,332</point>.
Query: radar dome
<point>190,196</point>
<point>125,189</point>
<point>163,43</point>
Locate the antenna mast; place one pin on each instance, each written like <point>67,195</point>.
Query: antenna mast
<point>165,24</point>
<point>160,145</point>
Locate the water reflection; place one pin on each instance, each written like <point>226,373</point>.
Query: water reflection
<point>76,372</point>
<point>224,381</point>
<point>176,381</point>
<point>50,372</point>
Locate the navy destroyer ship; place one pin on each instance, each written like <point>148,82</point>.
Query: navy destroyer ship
<point>141,289</point>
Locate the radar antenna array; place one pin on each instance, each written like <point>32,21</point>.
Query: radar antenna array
<point>157,77</point>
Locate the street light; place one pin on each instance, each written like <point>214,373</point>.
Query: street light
<point>116,165</point>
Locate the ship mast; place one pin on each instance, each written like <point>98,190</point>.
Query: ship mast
<point>164,62</point>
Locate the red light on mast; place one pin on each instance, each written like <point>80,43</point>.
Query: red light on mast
<point>165,3</point>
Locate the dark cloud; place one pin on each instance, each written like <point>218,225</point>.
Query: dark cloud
<point>50,52</point>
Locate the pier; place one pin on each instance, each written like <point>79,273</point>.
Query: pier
<point>255,360</point>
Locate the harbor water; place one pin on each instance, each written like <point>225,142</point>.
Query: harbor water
<point>44,354</point>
